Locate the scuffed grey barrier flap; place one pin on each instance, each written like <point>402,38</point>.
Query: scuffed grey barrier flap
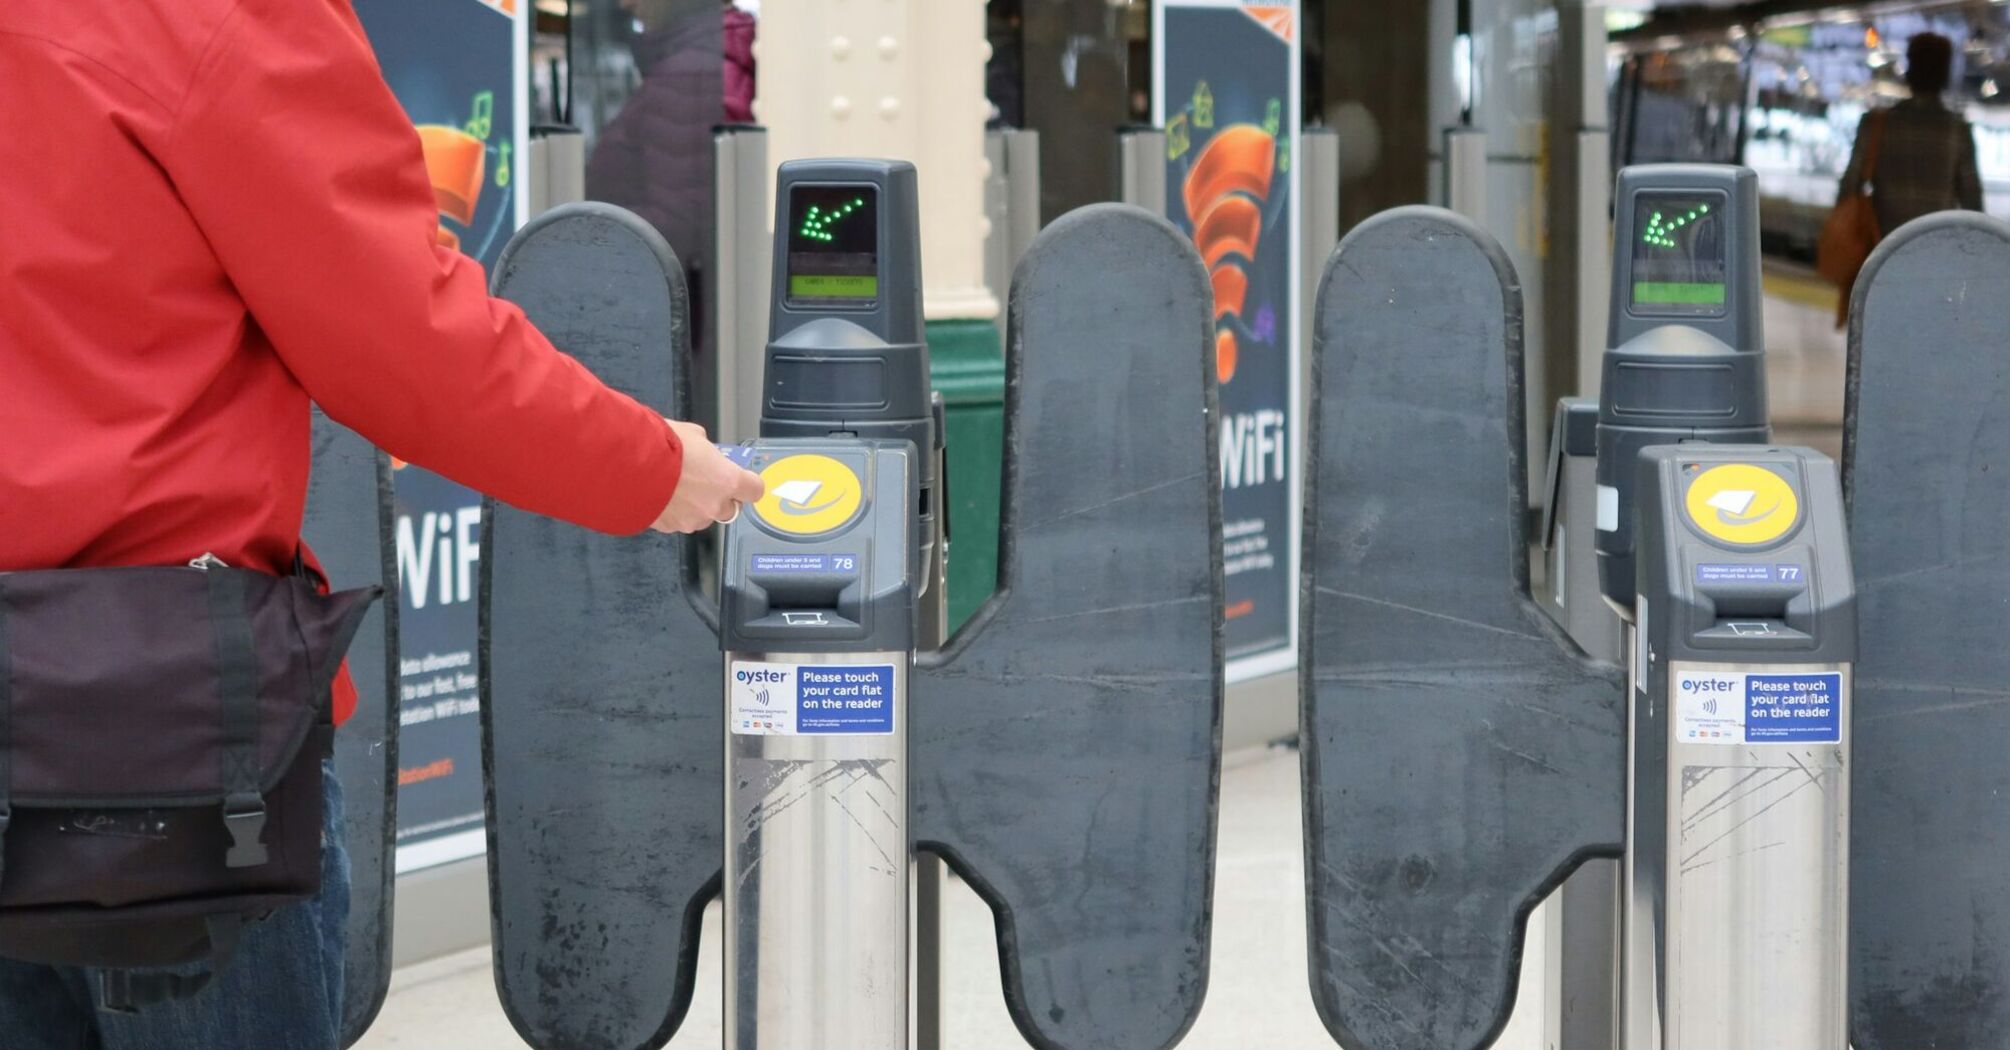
<point>1460,756</point>
<point>1927,472</point>
<point>348,526</point>
<point>601,686</point>
<point>1067,743</point>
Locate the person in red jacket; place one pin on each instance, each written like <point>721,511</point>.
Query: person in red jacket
<point>213,212</point>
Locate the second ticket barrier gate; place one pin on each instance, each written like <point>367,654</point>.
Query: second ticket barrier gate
<point>1061,751</point>
<point>819,595</point>
<point>1462,756</point>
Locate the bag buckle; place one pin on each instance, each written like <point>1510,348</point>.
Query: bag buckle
<point>244,818</point>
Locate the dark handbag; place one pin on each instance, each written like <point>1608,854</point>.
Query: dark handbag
<point>162,732</point>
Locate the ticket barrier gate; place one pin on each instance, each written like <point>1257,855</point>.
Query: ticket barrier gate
<point>820,615</point>
<point>348,524</point>
<point>1063,747</point>
<point>818,623</point>
<point>1431,836</point>
<point>1727,560</point>
<point>1926,441</point>
<point>1459,756</point>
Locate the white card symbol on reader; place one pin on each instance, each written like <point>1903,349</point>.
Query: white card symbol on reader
<point>1733,501</point>
<point>799,493</point>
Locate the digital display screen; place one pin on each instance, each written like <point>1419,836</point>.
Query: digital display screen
<point>1679,255</point>
<point>833,245</point>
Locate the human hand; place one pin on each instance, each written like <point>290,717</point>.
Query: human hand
<point>711,488</point>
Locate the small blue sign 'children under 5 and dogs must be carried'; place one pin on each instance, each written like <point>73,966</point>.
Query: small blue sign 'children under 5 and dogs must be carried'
<point>811,699</point>
<point>821,564</point>
<point>1750,573</point>
<point>1720,707</point>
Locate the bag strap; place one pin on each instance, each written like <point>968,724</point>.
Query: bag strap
<point>237,688</point>
<point>129,992</point>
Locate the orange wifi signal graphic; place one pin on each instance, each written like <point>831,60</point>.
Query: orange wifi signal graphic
<point>1225,192</point>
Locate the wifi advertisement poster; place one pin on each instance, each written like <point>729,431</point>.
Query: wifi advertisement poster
<point>1227,80</point>
<point>457,69</point>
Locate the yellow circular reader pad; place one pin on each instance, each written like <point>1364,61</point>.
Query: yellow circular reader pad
<point>809,495</point>
<point>1742,503</point>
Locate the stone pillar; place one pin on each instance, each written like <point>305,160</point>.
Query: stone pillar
<point>897,79</point>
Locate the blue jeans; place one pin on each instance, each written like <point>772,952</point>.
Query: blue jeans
<point>282,991</point>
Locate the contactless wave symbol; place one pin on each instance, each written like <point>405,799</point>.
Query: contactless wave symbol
<point>762,697</point>
<point>1709,704</point>
<point>1225,194</point>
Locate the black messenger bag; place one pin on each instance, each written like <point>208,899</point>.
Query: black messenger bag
<point>161,738</point>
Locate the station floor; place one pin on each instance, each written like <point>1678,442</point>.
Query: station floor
<point>1258,994</point>
<point>1807,359</point>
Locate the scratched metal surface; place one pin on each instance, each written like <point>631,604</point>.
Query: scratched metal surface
<point>1067,743</point>
<point>1460,755</point>
<point>348,526</point>
<point>601,684</point>
<point>1927,472</point>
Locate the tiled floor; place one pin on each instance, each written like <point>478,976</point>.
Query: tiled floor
<point>1257,996</point>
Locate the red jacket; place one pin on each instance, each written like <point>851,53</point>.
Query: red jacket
<point>212,211</point>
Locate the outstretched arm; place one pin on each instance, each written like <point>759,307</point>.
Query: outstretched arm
<point>308,180</point>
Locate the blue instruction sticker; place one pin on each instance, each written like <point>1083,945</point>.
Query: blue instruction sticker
<point>845,700</point>
<point>1723,707</point>
<point>1745,573</point>
<point>1793,708</point>
<point>811,699</point>
<point>826,564</point>
<point>1734,574</point>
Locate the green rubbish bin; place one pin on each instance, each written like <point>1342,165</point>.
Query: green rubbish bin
<point>967,364</point>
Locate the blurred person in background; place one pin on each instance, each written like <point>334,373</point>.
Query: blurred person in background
<point>1924,151</point>
<point>696,58</point>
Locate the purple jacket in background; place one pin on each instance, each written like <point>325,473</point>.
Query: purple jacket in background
<point>739,66</point>
<point>655,157</point>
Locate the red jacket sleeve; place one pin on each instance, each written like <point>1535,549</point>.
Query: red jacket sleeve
<point>307,178</point>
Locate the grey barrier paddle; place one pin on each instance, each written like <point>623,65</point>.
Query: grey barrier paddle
<point>1460,755</point>
<point>1927,473</point>
<point>1067,741</point>
<point>601,681</point>
<point>1065,744</point>
<point>348,526</point>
